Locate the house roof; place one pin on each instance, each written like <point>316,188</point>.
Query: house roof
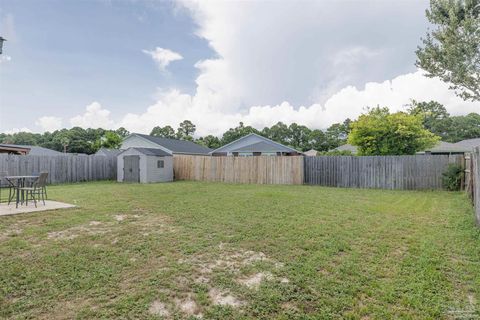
<point>347,147</point>
<point>311,153</point>
<point>447,147</point>
<point>33,150</point>
<point>153,152</point>
<point>260,144</point>
<point>109,152</point>
<point>176,146</point>
<point>469,144</point>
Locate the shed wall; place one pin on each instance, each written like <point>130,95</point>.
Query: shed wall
<point>155,174</point>
<point>143,164</point>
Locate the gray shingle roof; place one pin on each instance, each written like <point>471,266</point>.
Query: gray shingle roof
<point>153,152</point>
<point>469,143</point>
<point>109,152</point>
<point>177,146</point>
<point>262,145</point>
<point>34,150</point>
<point>347,147</point>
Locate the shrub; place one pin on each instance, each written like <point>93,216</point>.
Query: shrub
<point>452,177</point>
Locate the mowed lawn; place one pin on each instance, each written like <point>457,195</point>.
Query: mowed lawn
<point>222,251</point>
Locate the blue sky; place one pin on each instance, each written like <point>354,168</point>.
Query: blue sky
<point>65,54</point>
<point>85,63</point>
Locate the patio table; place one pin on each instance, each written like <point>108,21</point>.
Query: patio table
<point>20,184</point>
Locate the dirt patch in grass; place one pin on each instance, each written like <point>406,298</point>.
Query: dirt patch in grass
<point>254,281</point>
<point>224,298</point>
<point>158,308</point>
<point>188,306</point>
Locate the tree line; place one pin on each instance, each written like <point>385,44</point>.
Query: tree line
<point>401,133</point>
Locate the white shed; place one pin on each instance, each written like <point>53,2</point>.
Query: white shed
<point>144,165</point>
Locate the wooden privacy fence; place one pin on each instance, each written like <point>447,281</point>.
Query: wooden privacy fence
<point>473,182</point>
<point>62,168</point>
<point>382,172</point>
<point>260,170</point>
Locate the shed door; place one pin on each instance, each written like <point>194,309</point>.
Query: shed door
<point>131,168</point>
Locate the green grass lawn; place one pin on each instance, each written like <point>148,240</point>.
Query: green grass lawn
<point>186,249</point>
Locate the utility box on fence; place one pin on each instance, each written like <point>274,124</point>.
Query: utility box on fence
<point>144,165</point>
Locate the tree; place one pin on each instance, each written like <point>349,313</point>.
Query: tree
<point>164,132</point>
<point>380,133</point>
<point>337,134</point>
<point>279,132</point>
<point>299,137</point>
<point>209,141</point>
<point>122,132</point>
<point>452,50</point>
<point>430,112</point>
<point>235,133</point>
<point>186,130</point>
<point>110,140</point>
<point>318,140</point>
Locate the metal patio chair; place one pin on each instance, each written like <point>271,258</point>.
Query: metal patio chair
<point>38,190</point>
<point>5,184</point>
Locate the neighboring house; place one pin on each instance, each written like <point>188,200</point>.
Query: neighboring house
<point>440,148</point>
<point>254,145</point>
<point>346,147</point>
<point>311,153</point>
<point>171,146</point>
<point>25,149</point>
<point>144,165</point>
<point>108,152</point>
<point>446,148</point>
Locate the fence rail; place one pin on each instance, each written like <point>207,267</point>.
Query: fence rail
<point>258,170</point>
<point>382,172</point>
<point>62,168</point>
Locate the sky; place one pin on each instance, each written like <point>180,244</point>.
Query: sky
<point>140,64</point>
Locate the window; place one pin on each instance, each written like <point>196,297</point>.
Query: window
<point>160,164</point>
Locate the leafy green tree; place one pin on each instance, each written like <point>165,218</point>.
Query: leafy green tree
<point>122,132</point>
<point>210,141</point>
<point>233,134</point>
<point>452,51</point>
<point>186,130</point>
<point>380,133</point>
<point>299,137</point>
<point>279,132</point>
<point>164,132</point>
<point>111,140</point>
<point>337,134</point>
<point>318,140</point>
<point>430,112</point>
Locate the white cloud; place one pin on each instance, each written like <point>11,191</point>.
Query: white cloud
<point>173,106</point>
<point>16,130</point>
<point>94,117</point>
<point>49,123</point>
<point>5,58</point>
<point>163,57</point>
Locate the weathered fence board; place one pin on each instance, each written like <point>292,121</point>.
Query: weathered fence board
<point>381,172</point>
<point>257,170</point>
<point>474,190</point>
<point>62,168</point>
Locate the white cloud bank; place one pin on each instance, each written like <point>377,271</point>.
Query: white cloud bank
<point>49,123</point>
<point>94,117</point>
<point>280,61</point>
<point>163,57</point>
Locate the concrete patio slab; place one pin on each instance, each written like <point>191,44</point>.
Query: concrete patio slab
<point>6,210</point>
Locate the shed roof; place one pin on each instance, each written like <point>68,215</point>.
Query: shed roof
<point>176,146</point>
<point>153,152</point>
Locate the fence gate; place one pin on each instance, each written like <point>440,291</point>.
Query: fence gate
<point>131,168</point>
